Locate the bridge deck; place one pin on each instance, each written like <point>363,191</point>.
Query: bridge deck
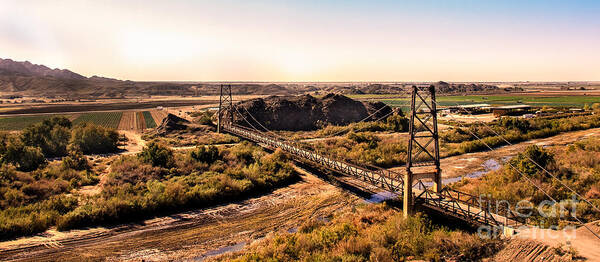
<point>450,202</point>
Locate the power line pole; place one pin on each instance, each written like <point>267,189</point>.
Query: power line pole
<point>423,156</point>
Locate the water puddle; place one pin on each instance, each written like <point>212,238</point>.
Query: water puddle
<point>489,166</point>
<point>220,251</point>
<point>380,197</point>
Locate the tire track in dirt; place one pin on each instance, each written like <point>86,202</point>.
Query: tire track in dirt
<point>192,234</point>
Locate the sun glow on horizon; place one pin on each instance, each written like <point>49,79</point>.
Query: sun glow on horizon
<point>265,40</point>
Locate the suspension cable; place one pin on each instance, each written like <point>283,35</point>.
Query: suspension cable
<point>349,127</point>
<point>299,145</point>
<point>531,160</point>
<point>524,176</point>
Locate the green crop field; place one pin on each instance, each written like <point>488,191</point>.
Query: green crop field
<point>105,119</point>
<point>16,123</point>
<point>498,100</point>
<point>149,120</point>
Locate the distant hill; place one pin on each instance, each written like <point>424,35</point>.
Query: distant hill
<point>25,78</point>
<point>10,67</point>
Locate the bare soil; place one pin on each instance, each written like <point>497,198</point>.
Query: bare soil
<point>189,235</point>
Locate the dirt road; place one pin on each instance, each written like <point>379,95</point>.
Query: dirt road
<point>189,235</point>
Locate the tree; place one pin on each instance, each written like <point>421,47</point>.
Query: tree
<point>587,107</point>
<point>25,158</point>
<point>51,136</point>
<point>523,161</point>
<point>596,107</point>
<point>157,155</point>
<point>94,139</point>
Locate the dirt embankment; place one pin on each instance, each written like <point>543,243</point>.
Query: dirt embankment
<point>306,112</point>
<point>531,250</point>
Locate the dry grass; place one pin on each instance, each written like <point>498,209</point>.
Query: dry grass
<point>371,233</point>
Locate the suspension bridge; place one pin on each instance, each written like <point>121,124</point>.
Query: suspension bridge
<point>420,185</point>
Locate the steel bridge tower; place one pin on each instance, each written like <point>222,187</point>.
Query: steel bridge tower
<point>423,156</point>
<point>225,113</point>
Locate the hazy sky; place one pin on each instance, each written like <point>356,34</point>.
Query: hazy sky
<point>308,40</point>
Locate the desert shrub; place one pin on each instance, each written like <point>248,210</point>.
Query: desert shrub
<point>5,138</point>
<point>51,136</point>
<point>397,123</point>
<point>372,233</point>
<point>34,218</point>
<point>135,189</point>
<point>367,138</point>
<point>243,152</point>
<point>524,164</point>
<point>203,117</point>
<point>514,123</point>
<point>75,160</point>
<point>206,154</point>
<point>94,139</point>
<point>132,170</point>
<point>25,158</point>
<point>575,167</point>
<point>157,155</point>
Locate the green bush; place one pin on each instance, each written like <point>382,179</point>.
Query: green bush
<point>157,155</point>
<point>75,160</point>
<point>51,136</point>
<point>206,154</point>
<point>135,189</point>
<point>523,162</point>
<point>397,123</point>
<point>94,139</point>
<point>25,158</point>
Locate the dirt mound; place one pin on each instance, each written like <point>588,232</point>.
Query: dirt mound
<point>531,250</point>
<point>306,112</point>
<point>171,123</point>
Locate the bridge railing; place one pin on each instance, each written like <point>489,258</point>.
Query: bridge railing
<point>465,206</point>
<point>385,179</point>
<point>477,209</point>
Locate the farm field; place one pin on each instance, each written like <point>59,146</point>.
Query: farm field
<point>148,120</point>
<point>95,106</point>
<point>21,122</point>
<point>127,121</point>
<point>140,122</point>
<point>105,119</point>
<point>158,115</point>
<point>534,100</point>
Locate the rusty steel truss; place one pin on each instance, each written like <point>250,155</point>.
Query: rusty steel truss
<point>423,163</point>
<point>384,179</point>
<point>225,114</point>
<point>423,154</point>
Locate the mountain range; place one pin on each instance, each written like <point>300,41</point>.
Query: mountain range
<point>26,78</point>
